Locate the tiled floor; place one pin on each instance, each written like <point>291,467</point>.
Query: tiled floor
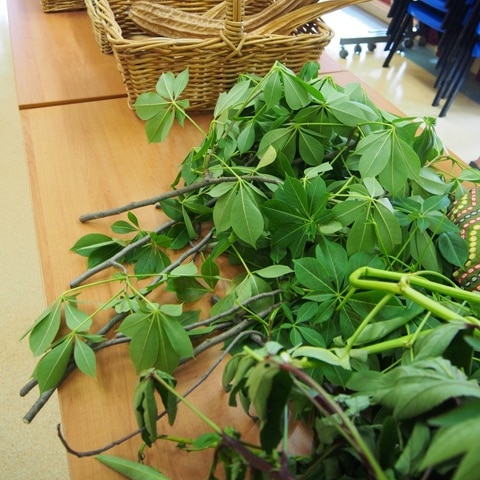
<point>33,452</point>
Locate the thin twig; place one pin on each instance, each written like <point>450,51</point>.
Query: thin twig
<point>203,378</point>
<point>234,309</point>
<point>174,193</point>
<point>45,396</point>
<point>112,261</point>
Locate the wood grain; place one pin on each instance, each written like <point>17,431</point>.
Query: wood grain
<point>56,58</point>
<point>102,160</point>
<point>87,151</point>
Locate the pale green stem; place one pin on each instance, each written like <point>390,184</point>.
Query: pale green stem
<point>352,435</point>
<point>351,341</point>
<point>190,405</point>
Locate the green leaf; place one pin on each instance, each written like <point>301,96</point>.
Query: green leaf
<point>162,381</point>
<point>311,148</point>
<point>430,180</point>
<point>246,218</point>
<point>453,441</point>
<point>423,251</point>
<point>146,411</point>
<point>146,345</point>
<point>322,355</point>
<point>90,242</point>
<point>206,440</point>
<point>362,235</point>
<point>349,113</point>
<point>172,309</point>
<point>413,453</point>
<point>210,272</point>
<point>437,341</point>
<point>222,211</point>
<point>165,85</point>
<point>453,248</point>
<point>150,260</point>
<point>76,319</point>
<point>403,165</point>
<point>268,157</point>
<point>312,274</point>
<point>121,226</point>
<point>187,289</point>
<point>177,337</point>
<point>274,271</point>
<point>148,105</point>
<point>273,88</point>
<point>51,367</point>
<point>84,357</point>
<point>246,138</point>
<point>277,138</point>
<point>417,388</point>
<point>296,94</point>
<point>271,431</point>
<point>375,151</point>
<point>172,208</point>
<point>188,269</point>
<point>159,126</point>
<point>260,384</point>
<point>388,231</point>
<point>380,329</point>
<point>348,211</point>
<point>130,469</point>
<point>45,329</point>
<point>233,98</point>
<point>180,83</point>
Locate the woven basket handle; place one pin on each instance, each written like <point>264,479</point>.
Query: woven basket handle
<point>235,10</point>
<point>233,25</point>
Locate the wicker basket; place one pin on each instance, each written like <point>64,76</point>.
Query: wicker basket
<point>192,6</point>
<point>97,26</point>
<point>62,5</point>
<point>214,64</point>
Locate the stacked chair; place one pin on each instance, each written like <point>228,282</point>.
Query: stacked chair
<point>457,64</point>
<point>458,23</point>
<point>444,16</point>
<point>396,12</point>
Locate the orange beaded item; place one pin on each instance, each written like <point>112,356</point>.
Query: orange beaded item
<point>465,213</point>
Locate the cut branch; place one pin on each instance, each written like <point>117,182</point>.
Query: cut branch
<point>113,261</point>
<point>98,451</point>
<point>174,193</point>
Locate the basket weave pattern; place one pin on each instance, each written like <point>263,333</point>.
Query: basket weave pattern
<point>214,64</point>
<point>62,5</point>
<point>97,26</point>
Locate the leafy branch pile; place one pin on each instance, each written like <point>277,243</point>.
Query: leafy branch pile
<point>343,314</point>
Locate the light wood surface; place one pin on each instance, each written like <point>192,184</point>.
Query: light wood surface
<point>56,58</point>
<point>102,161</point>
<point>92,156</point>
<point>85,155</point>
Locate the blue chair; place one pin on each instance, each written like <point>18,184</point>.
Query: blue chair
<point>444,16</point>
<point>458,64</point>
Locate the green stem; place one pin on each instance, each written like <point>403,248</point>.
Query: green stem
<point>190,405</point>
<point>405,341</point>
<point>375,279</point>
<point>351,341</point>
<point>351,434</point>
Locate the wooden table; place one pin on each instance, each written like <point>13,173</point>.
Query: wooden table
<point>103,161</point>
<point>56,58</point>
<point>86,155</point>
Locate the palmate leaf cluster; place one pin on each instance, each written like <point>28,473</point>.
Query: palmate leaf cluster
<point>336,217</point>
